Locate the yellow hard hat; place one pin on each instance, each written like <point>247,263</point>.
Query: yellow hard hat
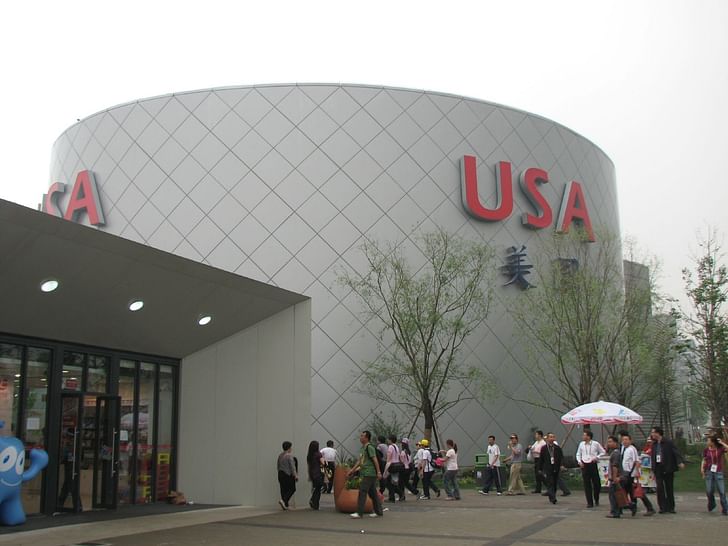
<point>424,442</point>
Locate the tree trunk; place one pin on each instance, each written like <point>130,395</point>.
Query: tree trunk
<point>429,419</point>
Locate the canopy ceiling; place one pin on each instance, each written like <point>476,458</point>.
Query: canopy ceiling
<point>100,274</point>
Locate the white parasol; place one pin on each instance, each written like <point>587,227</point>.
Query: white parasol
<point>601,413</point>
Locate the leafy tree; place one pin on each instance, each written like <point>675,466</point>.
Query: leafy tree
<point>585,331</point>
<point>707,290</point>
<point>425,314</point>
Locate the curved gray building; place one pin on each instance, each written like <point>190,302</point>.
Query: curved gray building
<point>282,183</point>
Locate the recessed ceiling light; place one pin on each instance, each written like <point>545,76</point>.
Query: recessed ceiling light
<point>49,285</point>
<point>135,305</point>
<point>204,319</point>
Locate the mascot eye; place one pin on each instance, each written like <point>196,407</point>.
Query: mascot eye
<point>8,457</point>
<point>20,464</point>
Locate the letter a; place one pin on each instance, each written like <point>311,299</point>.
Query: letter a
<point>85,196</point>
<point>573,207</point>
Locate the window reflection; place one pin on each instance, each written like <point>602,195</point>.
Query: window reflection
<point>145,450</point>
<point>34,425</point>
<point>10,360</point>
<point>165,432</point>
<point>127,436</point>
<point>73,371</point>
<point>97,373</point>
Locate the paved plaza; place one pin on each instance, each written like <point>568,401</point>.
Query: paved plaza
<point>476,520</point>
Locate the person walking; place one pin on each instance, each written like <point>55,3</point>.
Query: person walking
<point>712,472</point>
<point>405,455</point>
<point>426,470</point>
<point>587,455</point>
<point>391,476</point>
<point>666,460</point>
<point>415,468</point>
<point>382,456</point>
<point>534,453</point>
<point>315,461</point>
<point>631,474</point>
<point>451,470</point>
<point>493,468</point>
<point>287,475</point>
<point>614,476</point>
<point>515,458</point>
<point>369,472</point>
<point>330,455</point>
<point>550,460</point>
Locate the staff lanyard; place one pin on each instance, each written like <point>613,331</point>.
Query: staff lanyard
<point>713,454</point>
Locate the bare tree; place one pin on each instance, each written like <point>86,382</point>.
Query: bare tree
<point>425,316</point>
<point>585,332</point>
<point>707,325</point>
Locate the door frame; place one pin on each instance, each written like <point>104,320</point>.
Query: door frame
<point>112,468</point>
<point>76,468</point>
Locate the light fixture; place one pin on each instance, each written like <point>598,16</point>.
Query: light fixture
<point>135,305</point>
<point>203,320</point>
<point>17,375</point>
<point>48,285</point>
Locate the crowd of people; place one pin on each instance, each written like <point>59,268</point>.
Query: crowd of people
<point>394,468</point>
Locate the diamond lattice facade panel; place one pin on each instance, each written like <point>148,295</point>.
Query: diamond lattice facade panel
<point>282,183</point>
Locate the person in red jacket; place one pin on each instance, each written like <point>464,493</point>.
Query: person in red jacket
<point>712,472</point>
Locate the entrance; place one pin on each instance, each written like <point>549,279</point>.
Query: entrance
<point>88,453</point>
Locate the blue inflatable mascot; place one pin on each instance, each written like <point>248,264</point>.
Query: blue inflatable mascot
<point>12,475</point>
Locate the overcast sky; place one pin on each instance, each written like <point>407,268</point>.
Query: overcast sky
<point>647,81</point>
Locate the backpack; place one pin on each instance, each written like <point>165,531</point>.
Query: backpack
<point>381,459</point>
<point>435,460</point>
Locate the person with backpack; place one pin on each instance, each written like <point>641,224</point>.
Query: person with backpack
<point>409,464</point>
<point>393,468</point>
<point>426,469</point>
<point>369,471</point>
<point>382,457</point>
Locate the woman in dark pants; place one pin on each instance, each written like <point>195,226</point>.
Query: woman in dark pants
<point>404,477</point>
<point>315,460</point>
<point>287,474</point>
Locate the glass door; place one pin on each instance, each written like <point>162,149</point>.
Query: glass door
<point>69,454</point>
<point>106,464</point>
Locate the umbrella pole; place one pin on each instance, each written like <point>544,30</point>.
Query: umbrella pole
<point>568,435</point>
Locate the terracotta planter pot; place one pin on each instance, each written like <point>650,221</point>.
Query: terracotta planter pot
<point>345,499</point>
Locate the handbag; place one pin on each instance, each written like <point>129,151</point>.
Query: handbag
<point>327,471</point>
<point>621,496</point>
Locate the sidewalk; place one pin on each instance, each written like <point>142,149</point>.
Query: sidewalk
<point>476,520</point>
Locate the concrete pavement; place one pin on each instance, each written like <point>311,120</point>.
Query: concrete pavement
<point>492,521</point>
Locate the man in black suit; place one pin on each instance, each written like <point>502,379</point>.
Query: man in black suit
<point>549,464</point>
<point>665,462</point>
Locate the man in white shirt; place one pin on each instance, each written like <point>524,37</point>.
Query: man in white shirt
<point>630,473</point>
<point>329,454</point>
<point>587,455</point>
<point>534,453</point>
<point>630,467</point>
<point>492,471</point>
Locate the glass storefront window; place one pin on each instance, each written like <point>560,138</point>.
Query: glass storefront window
<point>97,373</point>
<point>73,371</point>
<point>145,446</point>
<point>165,432</point>
<point>142,403</point>
<point>127,436</point>
<point>10,360</point>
